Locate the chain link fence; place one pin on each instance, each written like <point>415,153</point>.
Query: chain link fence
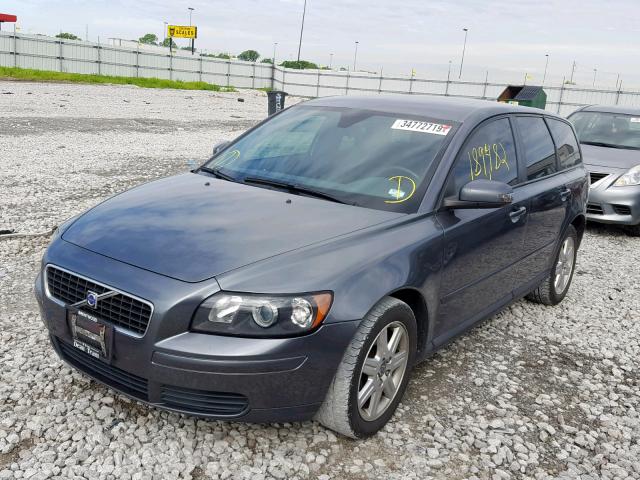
<point>75,56</point>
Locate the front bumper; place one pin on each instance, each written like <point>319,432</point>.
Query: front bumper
<point>620,205</point>
<point>245,379</point>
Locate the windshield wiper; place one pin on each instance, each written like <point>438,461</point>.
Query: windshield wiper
<point>608,145</point>
<point>218,174</point>
<point>290,187</point>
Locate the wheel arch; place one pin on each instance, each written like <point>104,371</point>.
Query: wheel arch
<point>418,305</point>
<point>579,223</point>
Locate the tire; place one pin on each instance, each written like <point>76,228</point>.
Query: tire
<point>552,291</point>
<point>340,410</point>
<point>633,230</point>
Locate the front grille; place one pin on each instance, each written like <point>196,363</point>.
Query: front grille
<point>108,374</point>
<point>594,209</point>
<point>120,310</point>
<point>201,401</point>
<point>622,209</point>
<point>597,176</point>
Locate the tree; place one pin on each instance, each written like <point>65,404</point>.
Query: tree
<point>249,56</point>
<point>169,42</point>
<point>299,64</point>
<point>266,60</point>
<point>149,39</point>
<point>224,56</point>
<point>68,36</point>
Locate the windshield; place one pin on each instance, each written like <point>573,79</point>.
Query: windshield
<point>607,129</point>
<point>362,157</point>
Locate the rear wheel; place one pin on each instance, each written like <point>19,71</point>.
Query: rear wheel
<point>374,372</point>
<point>555,287</point>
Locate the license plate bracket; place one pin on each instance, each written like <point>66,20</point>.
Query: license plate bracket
<point>90,334</point>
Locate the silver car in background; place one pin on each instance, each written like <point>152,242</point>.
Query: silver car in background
<point>610,140</point>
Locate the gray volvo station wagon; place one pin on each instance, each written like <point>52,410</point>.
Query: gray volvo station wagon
<point>312,262</point>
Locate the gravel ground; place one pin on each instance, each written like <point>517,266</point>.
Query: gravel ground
<point>535,392</point>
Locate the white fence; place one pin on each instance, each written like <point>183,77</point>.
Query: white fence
<point>47,53</point>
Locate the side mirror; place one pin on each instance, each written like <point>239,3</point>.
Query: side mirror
<point>218,147</point>
<point>482,193</point>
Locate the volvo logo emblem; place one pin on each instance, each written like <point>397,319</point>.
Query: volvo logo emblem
<point>92,299</point>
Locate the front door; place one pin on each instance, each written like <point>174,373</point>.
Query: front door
<point>482,247</point>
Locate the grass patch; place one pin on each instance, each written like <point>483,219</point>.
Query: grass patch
<point>49,76</point>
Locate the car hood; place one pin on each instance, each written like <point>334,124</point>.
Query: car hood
<point>191,227</point>
<point>609,159</point>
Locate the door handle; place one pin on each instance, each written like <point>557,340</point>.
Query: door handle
<point>565,194</point>
<point>516,214</point>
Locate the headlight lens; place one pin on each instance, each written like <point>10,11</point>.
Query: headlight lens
<point>252,315</point>
<point>632,177</point>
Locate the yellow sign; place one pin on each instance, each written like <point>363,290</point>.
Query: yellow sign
<point>181,31</point>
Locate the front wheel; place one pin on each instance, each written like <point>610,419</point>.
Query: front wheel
<point>374,372</point>
<point>555,287</point>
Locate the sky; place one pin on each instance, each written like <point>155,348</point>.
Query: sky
<point>507,39</point>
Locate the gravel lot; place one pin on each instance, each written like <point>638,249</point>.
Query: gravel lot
<point>535,392</point>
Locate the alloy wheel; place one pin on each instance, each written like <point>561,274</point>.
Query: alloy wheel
<point>383,371</point>
<point>564,265</point>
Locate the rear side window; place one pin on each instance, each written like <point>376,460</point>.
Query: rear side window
<point>566,144</point>
<point>538,147</point>
<point>488,153</point>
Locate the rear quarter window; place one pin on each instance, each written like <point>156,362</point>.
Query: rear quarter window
<point>540,152</point>
<point>566,144</point>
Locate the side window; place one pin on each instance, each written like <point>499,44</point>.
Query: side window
<point>488,153</point>
<point>539,150</point>
<point>566,143</point>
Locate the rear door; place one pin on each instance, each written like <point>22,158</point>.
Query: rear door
<point>482,247</point>
<point>546,188</point>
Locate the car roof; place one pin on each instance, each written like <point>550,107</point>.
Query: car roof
<point>611,109</point>
<point>445,108</point>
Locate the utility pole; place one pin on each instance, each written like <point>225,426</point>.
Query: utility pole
<point>193,46</point>
<point>275,44</point>
<point>86,32</point>
<point>544,77</point>
<point>304,11</point>
<point>355,56</point>
<point>573,69</point>
<point>464,47</point>
<point>330,60</point>
<point>595,72</point>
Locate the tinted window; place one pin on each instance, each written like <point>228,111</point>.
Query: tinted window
<point>373,159</point>
<point>538,147</point>
<point>489,153</point>
<point>566,144</point>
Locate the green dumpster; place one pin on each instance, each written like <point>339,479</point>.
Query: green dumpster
<point>525,95</point>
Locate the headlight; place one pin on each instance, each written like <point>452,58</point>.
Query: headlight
<point>251,315</point>
<point>632,177</point>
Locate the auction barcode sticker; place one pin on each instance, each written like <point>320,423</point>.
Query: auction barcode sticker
<point>418,126</point>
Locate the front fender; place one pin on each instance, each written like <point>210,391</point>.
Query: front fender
<point>360,268</point>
